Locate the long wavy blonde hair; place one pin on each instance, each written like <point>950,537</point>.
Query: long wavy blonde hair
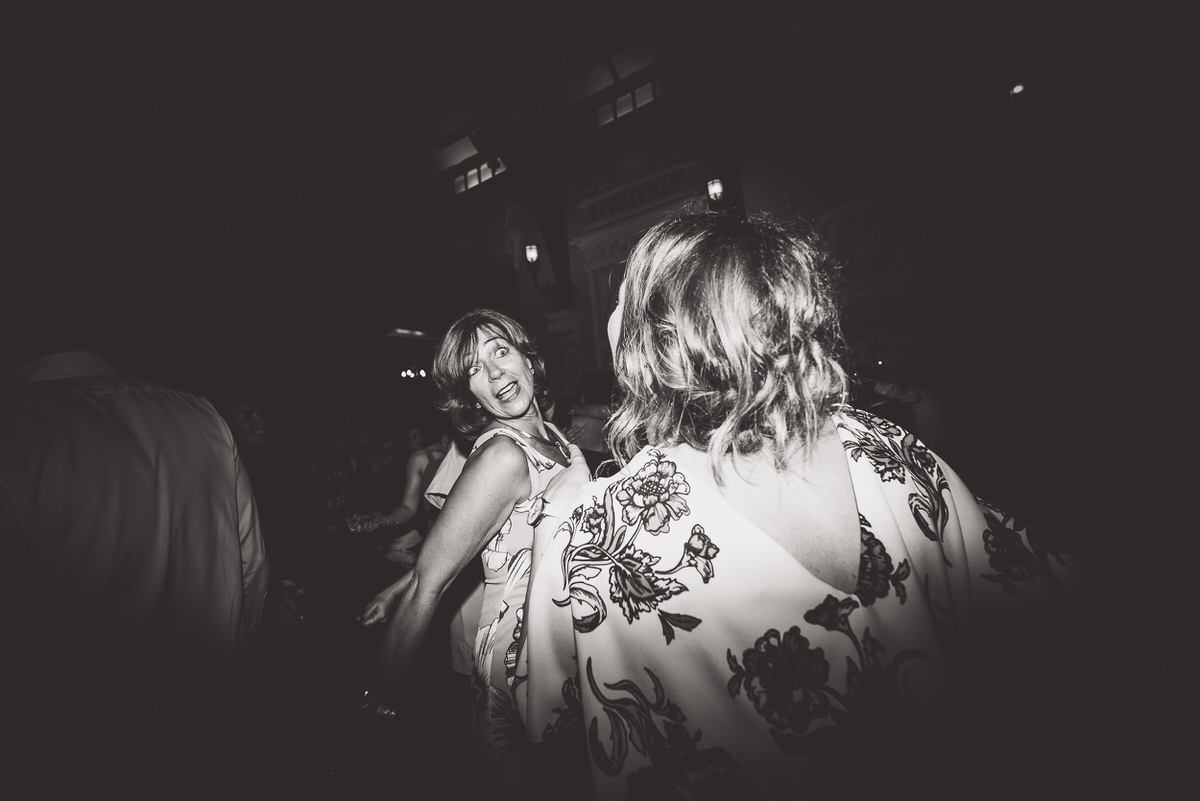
<point>730,340</point>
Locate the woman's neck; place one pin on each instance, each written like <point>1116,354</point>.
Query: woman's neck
<point>530,423</point>
<point>761,463</point>
<point>555,448</point>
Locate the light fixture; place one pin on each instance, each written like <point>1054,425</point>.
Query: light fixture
<point>1016,90</point>
<point>715,190</point>
<point>406,333</point>
<point>546,290</point>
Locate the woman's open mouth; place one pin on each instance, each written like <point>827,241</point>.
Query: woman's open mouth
<point>508,392</point>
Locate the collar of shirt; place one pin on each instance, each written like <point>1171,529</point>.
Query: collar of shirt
<point>70,364</point>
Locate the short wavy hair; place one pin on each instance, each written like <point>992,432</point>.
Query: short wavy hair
<point>455,355</point>
<point>730,339</point>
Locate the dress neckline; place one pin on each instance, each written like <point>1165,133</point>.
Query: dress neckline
<point>556,443</point>
<point>525,443</point>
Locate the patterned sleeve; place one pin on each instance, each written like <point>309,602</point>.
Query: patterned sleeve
<point>1013,570</point>
<point>974,561</point>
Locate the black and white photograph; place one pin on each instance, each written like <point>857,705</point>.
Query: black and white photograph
<point>596,400</point>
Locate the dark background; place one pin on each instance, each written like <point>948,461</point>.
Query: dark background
<point>241,183</point>
<point>247,187</point>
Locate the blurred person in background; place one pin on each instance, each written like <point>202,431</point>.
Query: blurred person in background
<point>133,568</point>
<point>414,515</point>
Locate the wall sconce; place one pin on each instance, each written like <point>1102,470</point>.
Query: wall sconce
<point>715,190</point>
<point>546,290</point>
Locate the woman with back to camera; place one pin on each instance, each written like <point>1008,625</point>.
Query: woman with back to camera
<point>489,378</point>
<point>765,599</point>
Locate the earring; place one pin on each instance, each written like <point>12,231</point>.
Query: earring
<point>477,406</point>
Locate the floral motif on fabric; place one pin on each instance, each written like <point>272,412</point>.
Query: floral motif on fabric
<point>655,728</point>
<point>603,536</point>
<point>513,650</point>
<point>507,733</point>
<point>896,455</point>
<point>876,575</point>
<point>485,642</point>
<point>788,680</point>
<point>653,496</point>
<point>495,554</point>
<point>1008,554</point>
<point>570,715</point>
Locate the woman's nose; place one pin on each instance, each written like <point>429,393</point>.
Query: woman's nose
<point>494,371</point>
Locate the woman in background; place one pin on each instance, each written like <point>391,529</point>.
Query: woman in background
<point>590,415</point>
<point>768,597</point>
<point>414,515</point>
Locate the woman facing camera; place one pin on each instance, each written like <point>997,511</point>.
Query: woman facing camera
<point>489,378</point>
<point>767,598</point>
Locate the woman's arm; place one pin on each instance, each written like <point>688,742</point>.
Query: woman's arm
<point>381,605</point>
<point>493,481</point>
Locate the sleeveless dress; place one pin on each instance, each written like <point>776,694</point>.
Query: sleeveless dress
<point>498,668</point>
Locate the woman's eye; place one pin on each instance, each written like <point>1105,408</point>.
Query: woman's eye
<point>501,352</point>
<point>473,369</point>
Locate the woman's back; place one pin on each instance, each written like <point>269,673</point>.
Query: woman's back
<point>705,656</point>
<point>807,508</point>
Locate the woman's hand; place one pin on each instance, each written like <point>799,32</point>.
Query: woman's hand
<point>366,523</point>
<point>381,605</point>
<point>563,489</point>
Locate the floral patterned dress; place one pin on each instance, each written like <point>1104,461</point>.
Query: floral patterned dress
<point>700,660</point>
<point>498,667</point>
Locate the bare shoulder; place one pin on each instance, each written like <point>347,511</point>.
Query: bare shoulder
<point>418,460</point>
<point>500,455</point>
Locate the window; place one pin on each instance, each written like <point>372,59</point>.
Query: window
<point>611,108</point>
<point>476,174</point>
<point>624,105</point>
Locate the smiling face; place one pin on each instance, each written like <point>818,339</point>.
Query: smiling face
<point>501,378</point>
<point>249,425</point>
